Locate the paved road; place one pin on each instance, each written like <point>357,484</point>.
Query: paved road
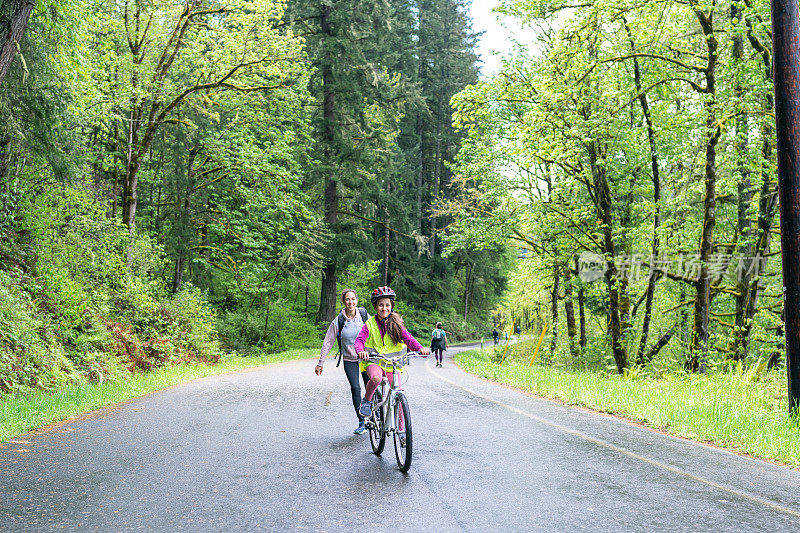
<point>271,449</point>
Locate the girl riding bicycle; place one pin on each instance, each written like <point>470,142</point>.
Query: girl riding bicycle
<point>385,334</point>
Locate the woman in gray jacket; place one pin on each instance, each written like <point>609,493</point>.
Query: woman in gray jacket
<point>343,330</point>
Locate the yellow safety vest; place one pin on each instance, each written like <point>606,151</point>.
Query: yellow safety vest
<point>383,344</point>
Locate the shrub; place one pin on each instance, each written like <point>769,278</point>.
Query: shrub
<point>193,323</point>
<point>71,311</point>
<point>29,356</point>
<point>420,324</point>
<point>275,329</point>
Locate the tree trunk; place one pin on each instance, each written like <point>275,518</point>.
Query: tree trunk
<point>420,174</point>
<point>604,206</point>
<point>467,282</point>
<point>582,315</point>
<point>386,258</point>
<point>581,311</point>
<point>130,183</point>
<point>569,312</point>
<point>184,217</point>
<point>699,346</point>
<point>665,338</point>
<point>767,207</point>
<point>18,13</point>
<point>656,177</point>
<point>327,299</point>
<point>554,312</point>
<point>420,126</point>
<point>436,174</point>
<point>744,198</point>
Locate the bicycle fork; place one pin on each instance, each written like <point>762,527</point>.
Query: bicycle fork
<point>388,394</point>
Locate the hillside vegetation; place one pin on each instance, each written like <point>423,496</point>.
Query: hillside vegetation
<point>183,180</point>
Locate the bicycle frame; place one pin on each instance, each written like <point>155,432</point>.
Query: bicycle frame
<point>395,366</point>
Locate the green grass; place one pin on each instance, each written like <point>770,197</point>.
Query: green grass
<point>25,412</point>
<point>745,413</point>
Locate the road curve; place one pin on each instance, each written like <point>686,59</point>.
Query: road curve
<point>271,449</point>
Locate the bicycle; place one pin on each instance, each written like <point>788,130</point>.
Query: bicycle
<point>390,412</point>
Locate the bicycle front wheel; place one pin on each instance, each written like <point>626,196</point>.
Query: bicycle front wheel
<point>377,433</point>
<point>402,439</point>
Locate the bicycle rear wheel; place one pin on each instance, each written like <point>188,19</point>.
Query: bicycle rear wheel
<point>377,433</point>
<point>402,446</point>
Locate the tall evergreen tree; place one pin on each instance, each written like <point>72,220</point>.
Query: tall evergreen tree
<point>349,44</point>
<point>445,64</point>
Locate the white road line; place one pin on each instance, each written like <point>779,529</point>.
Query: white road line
<point>608,445</point>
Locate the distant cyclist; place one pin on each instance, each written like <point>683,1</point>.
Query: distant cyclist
<point>438,342</point>
<point>385,334</point>
<point>343,330</point>
<point>495,336</point>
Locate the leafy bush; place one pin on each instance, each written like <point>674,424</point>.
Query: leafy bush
<point>70,310</point>
<point>275,329</point>
<point>29,355</point>
<point>420,323</point>
<point>177,329</point>
<point>193,323</point>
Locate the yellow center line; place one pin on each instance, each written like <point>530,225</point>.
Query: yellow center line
<point>632,455</point>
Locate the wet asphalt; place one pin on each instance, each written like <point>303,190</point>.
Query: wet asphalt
<point>272,449</point>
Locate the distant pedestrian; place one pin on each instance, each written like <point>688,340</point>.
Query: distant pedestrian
<point>438,342</point>
<point>495,336</point>
<point>517,329</point>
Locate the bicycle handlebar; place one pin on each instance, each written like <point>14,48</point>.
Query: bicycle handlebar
<point>376,357</point>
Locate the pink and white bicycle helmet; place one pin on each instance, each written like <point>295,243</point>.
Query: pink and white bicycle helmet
<point>382,292</point>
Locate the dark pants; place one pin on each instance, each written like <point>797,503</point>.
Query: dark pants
<point>351,371</point>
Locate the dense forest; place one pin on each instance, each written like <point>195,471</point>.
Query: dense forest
<point>632,160</point>
<point>182,179</point>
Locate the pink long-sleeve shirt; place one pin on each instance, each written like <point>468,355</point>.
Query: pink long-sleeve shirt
<point>410,342</point>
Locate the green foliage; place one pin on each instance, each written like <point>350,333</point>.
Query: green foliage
<point>360,277</point>
<point>420,323</point>
<point>272,330</point>
<point>591,145</point>
<point>73,312</point>
<point>26,359</point>
<point>162,199</point>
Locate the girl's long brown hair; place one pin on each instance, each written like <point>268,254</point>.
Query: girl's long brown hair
<point>394,325</point>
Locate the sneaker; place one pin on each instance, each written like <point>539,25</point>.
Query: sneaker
<point>366,407</point>
<point>401,436</point>
<point>360,429</point>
